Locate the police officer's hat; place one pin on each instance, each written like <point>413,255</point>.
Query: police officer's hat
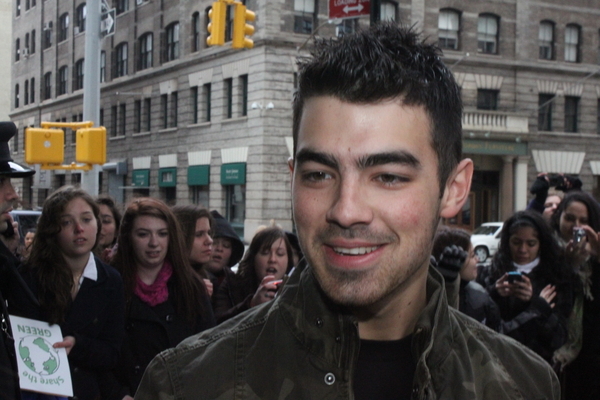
<point>9,168</point>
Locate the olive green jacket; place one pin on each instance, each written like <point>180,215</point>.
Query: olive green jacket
<point>300,346</point>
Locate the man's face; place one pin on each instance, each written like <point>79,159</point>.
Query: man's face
<point>8,196</point>
<point>365,196</point>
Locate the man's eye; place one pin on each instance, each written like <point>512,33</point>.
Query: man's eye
<point>390,179</point>
<point>315,176</point>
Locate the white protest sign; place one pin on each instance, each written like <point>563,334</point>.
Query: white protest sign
<point>42,368</point>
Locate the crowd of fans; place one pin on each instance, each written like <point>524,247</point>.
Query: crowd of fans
<point>124,288</point>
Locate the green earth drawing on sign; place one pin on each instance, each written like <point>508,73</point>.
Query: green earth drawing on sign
<point>38,355</point>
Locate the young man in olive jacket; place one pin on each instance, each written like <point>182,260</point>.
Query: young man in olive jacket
<point>377,163</point>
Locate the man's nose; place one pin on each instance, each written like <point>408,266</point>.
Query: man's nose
<point>349,207</point>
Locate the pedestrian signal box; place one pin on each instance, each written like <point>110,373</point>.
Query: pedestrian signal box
<point>90,145</point>
<point>44,146</point>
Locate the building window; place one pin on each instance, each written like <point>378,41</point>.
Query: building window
<point>80,19</point>
<point>304,16</point>
<point>147,114</point>
<point>598,117</point>
<point>63,77</point>
<point>228,98</point>
<point>122,119</point>
<point>572,43</point>
<point>194,103</point>
<point>448,27</point>
<point>121,60</point>
<point>121,6</point>
<point>174,107</point>
<point>47,35</point>
<point>388,11</point>
<point>18,8</point>
<point>200,195</point>
<point>26,93</point>
<point>195,32</point>
<point>487,34</point>
<point>63,27</point>
<point>102,66</point>
<point>17,95</point>
<point>32,46</point>
<point>229,24</point>
<point>487,99</point>
<point>137,116</point>
<point>145,51</point>
<point>32,91</point>
<point>206,95</point>
<point>26,49</point>
<point>244,94</point>
<point>17,49</point>
<point>546,40</point>
<point>164,110</point>
<point>545,102</point>
<point>78,79</point>
<point>47,85</point>
<point>235,196</point>
<point>571,113</point>
<point>114,121</point>
<point>101,117</point>
<point>172,48</point>
<point>346,26</point>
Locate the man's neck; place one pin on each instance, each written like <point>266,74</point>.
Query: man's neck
<point>395,316</point>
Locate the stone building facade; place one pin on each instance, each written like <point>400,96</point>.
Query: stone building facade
<point>189,123</point>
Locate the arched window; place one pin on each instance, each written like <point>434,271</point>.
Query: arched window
<point>63,74</point>
<point>17,95</point>
<point>448,28</point>
<point>488,27</point>
<point>145,45</point>
<point>47,85</point>
<point>63,27</point>
<point>80,18</point>
<point>78,78</point>
<point>546,40</point>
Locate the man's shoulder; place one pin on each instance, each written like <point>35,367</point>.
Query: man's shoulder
<point>499,363</point>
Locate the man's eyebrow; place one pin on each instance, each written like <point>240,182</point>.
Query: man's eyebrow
<point>394,157</point>
<point>306,155</point>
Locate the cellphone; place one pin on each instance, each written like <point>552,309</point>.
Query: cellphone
<point>10,230</point>
<point>578,235</point>
<point>277,283</point>
<point>514,276</point>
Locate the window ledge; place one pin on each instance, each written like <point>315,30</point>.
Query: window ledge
<point>122,137</point>
<point>168,130</point>
<point>141,134</point>
<point>199,124</point>
<point>233,120</point>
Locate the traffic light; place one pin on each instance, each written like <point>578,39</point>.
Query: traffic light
<point>216,26</point>
<point>241,28</point>
<point>44,146</point>
<point>90,145</point>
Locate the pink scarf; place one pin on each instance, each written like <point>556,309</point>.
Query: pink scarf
<point>157,292</point>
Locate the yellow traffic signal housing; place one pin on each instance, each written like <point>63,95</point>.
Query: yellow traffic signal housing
<point>90,145</point>
<point>44,146</point>
<point>216,26</point>
<point>240,28</point>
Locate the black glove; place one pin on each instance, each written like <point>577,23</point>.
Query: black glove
<point>451,261</point>
<point>540,186</point>
<point>570,183</point>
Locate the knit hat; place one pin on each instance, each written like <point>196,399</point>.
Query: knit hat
<point>8,167</point>
<point>222,229</point>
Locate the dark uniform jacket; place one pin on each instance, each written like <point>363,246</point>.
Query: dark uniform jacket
<point>300,346</point>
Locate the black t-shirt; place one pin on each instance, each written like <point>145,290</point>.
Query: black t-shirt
<point>385,370</point>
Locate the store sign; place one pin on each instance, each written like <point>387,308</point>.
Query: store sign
<point>141,178</point>
<point>233,174</point>
<point>492,147</point>
<point>348,8</point>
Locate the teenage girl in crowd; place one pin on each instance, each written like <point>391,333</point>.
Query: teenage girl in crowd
<point>581,354</point>
<point>166,301</point>
<point>536,303</point>
<point>75,289</point>
<point>267,260</point>
<point>227,251</point>
<point>473,299</point>
<point>111,220</point>
<point>196,225</point>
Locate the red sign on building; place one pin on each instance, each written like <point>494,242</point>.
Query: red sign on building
<point>348,8</point>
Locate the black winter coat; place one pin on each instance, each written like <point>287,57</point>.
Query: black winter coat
<point>96,319</point>
<point>150,330</point>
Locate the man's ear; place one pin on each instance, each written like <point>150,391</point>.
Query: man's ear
<point>457,189</point>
